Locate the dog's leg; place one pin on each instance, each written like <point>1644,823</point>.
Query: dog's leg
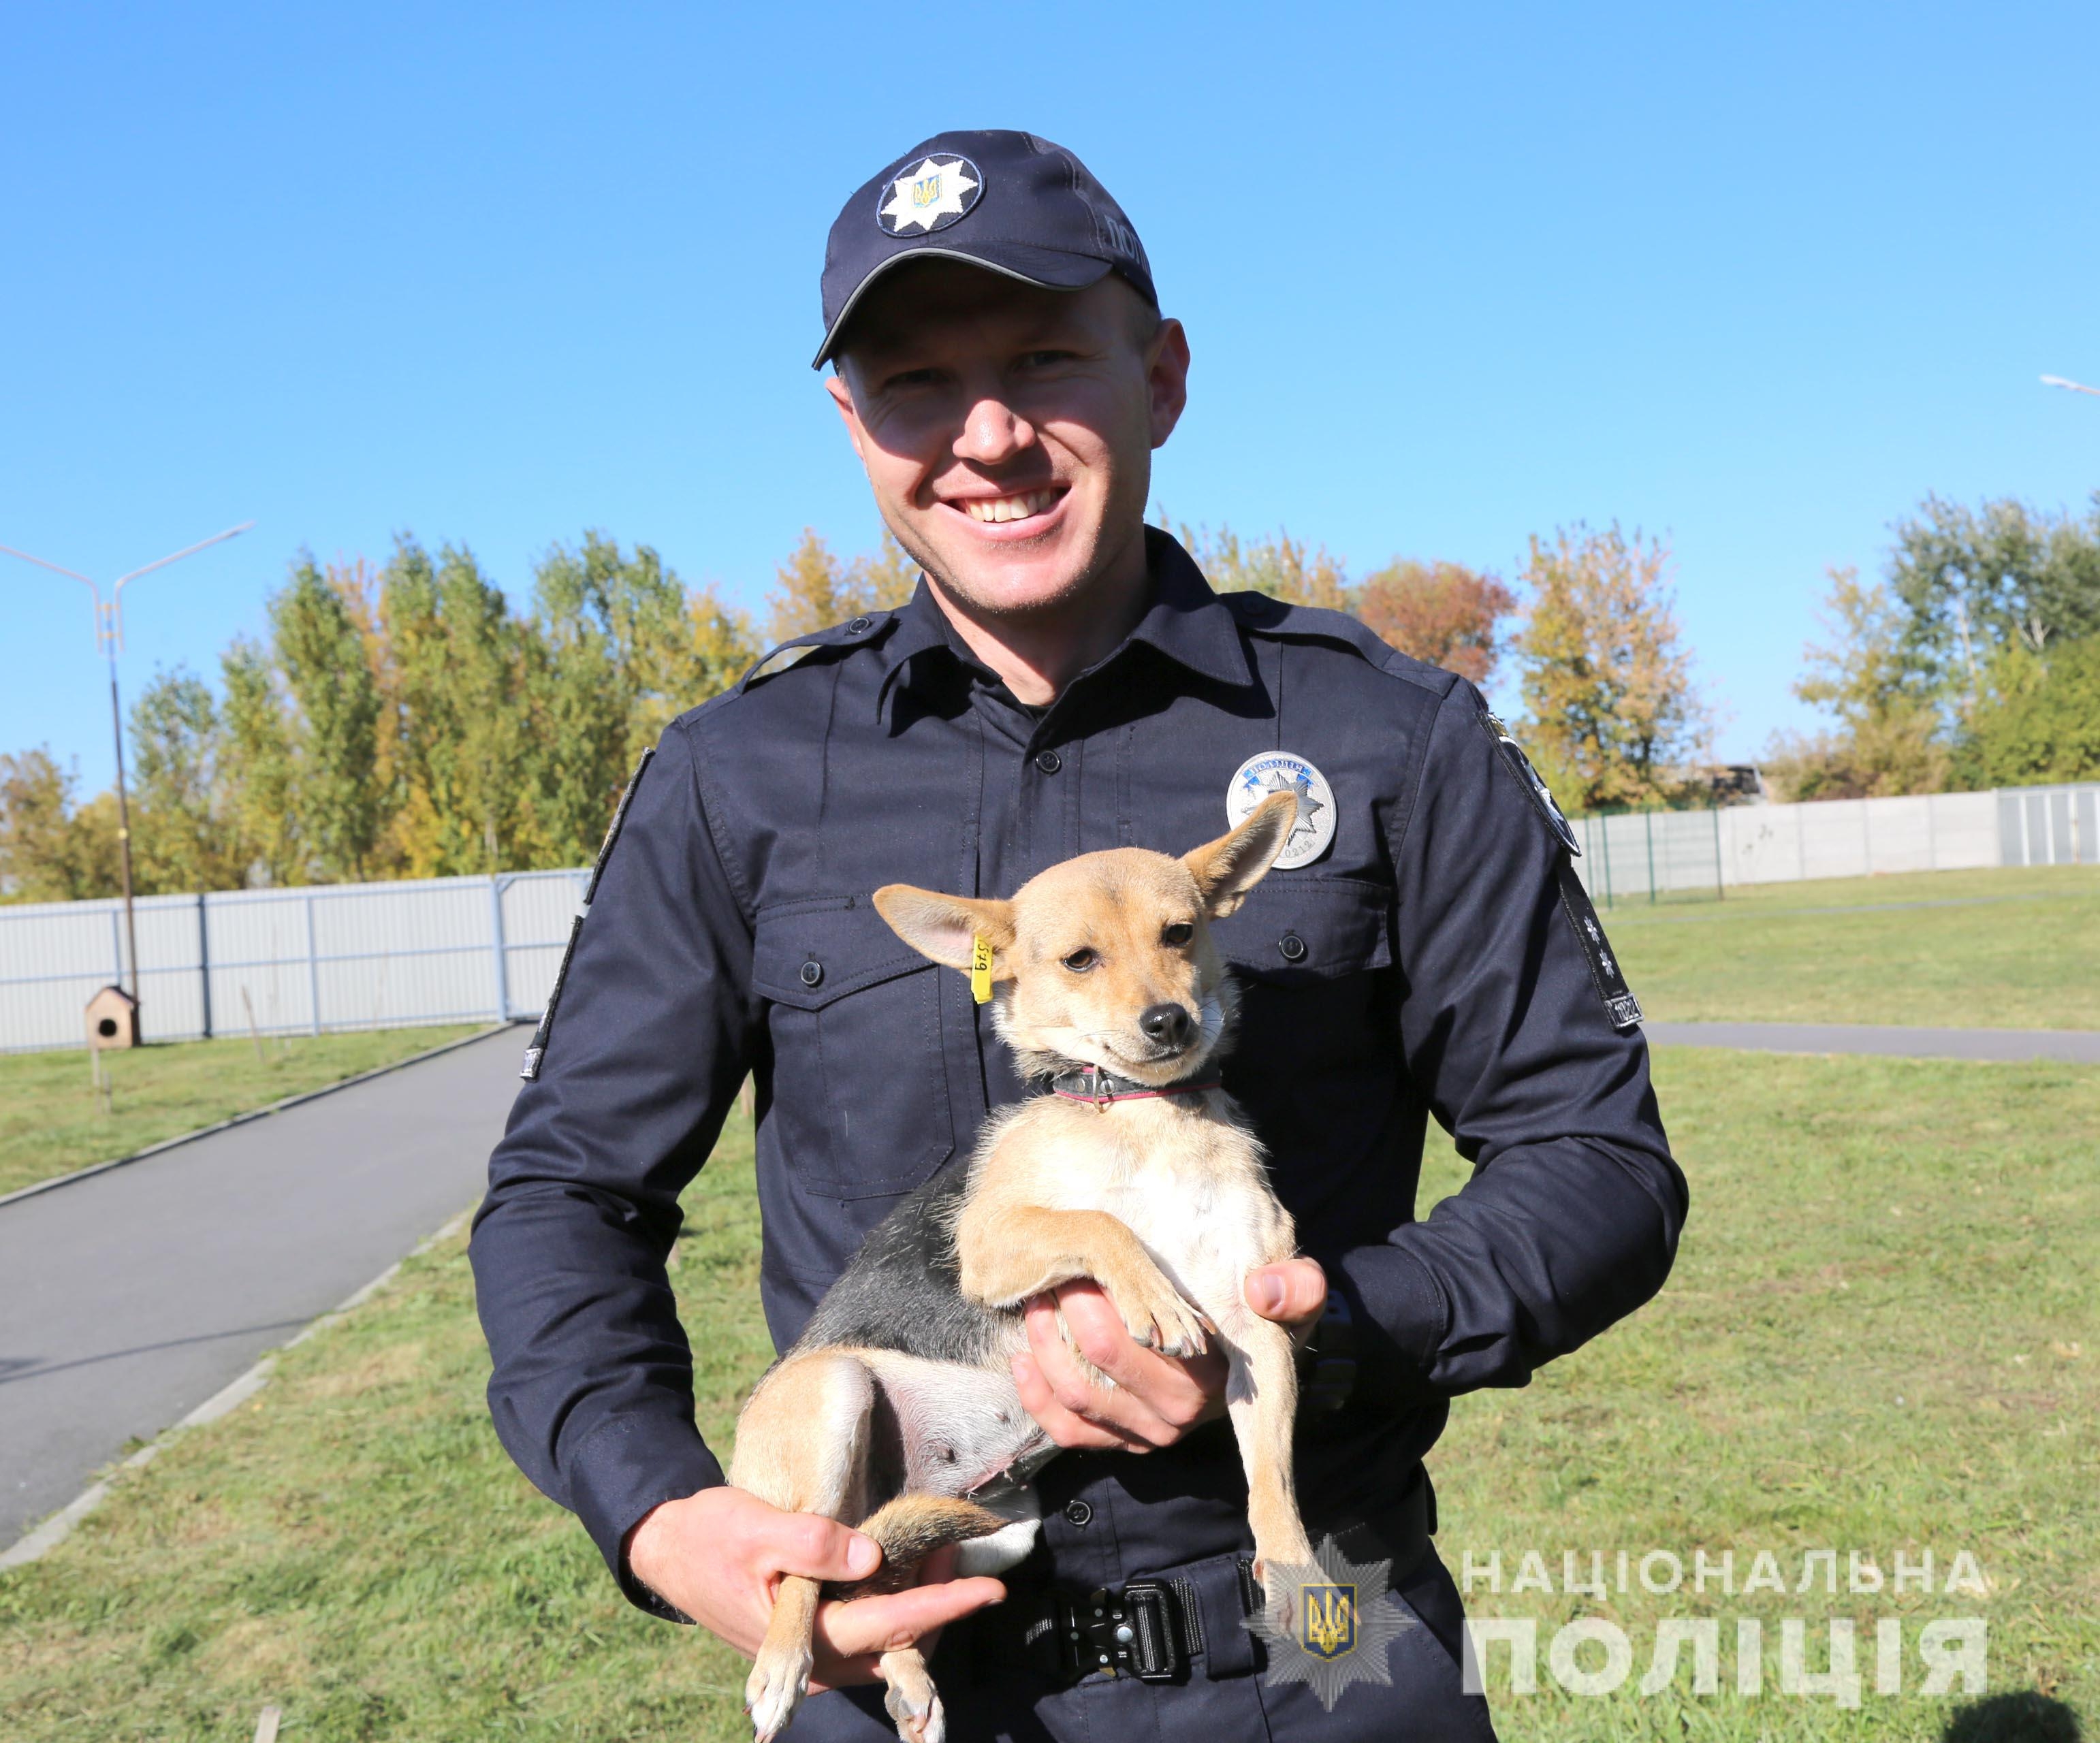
<point>802,1445</point>
<point>912,1701</point>
<point>1261,1396</point>
<point>1010,1252</point>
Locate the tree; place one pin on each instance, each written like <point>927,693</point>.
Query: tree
<point>320,649</point>
<point>1609,687</point>
<point>1973,582</point>
<point>467,748</point>
<point>2038,719</point>
<point>1281,567</point>
<point>1888,736</point>
<point>813,590</point>
<point>1441,612</point>
<point>182,836</point>
<point>256,763</point>
<point>51,850</point>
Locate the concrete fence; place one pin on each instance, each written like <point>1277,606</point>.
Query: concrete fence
<point>462,949</point>
<point>292,961</point>
<point>1641,855</point>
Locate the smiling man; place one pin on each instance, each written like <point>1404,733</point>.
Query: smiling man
<point>1064,681</point>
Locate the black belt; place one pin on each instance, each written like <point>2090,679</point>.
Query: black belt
<point>1153,1629</point>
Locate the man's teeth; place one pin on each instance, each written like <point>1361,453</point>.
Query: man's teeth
<point>1010,508</point>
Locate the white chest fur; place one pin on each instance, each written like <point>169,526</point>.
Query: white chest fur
<point>1181,1174</point>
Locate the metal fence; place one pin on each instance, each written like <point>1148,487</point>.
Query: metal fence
<point>292,961</point>
<point>1644,856</point>
<point>463,949</point>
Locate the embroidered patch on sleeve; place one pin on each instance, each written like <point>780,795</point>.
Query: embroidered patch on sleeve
<point>530,1070</point>
<point>1605,973</point>
<point>1535,789</point>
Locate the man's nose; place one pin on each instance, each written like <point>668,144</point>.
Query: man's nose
<point>992,432</point>
<point>1167,1025</point>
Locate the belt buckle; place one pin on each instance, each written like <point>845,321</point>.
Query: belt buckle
<point>1126,1633</point>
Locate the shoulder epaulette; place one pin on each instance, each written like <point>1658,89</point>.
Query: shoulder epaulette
<point>1264,615</point>
<point>856,631</point>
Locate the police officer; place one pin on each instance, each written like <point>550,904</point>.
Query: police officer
<point>1063,680</point>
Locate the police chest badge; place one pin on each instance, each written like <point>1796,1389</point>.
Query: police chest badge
<point>930,195</point>
<point>1281,771</point>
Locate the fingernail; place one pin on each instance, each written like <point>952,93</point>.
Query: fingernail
<point>863,1556</point>
<point>1024,1369</point>
<point>1266,1294</point>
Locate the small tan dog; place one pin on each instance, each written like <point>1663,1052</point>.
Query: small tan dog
<point>895,1412</point>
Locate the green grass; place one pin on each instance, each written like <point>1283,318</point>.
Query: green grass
<point>52,1120</point>
<point>2010,949</point>
<point>1879,1336</point>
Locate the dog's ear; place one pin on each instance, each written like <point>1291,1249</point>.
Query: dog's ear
<point>1226,869</point>
<point>945,927</point>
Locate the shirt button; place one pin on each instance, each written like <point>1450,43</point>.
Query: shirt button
<point>1049,762</point>
<point>1078,1512</point>
<point>812,972</point>
<point>1292,945</point>
<point>859,626</point>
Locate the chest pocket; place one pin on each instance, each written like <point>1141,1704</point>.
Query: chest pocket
<point>860,1085</point>
<point>1316,1063</point>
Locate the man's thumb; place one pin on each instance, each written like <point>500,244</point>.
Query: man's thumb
<point>822,1549</point>
<point>1290,1291</point>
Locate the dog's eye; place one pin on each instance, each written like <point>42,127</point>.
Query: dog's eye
<point>1177,935</point>
<point>1082,959</point>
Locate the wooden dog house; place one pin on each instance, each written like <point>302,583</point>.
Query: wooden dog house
<point>113,1019</point>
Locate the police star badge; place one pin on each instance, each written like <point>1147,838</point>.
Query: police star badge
<point>930,196</point>
<point>1281,771</point>
<point>1330,1624</point>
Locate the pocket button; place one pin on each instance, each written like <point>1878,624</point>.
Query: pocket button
<point>813,973</point>
<point>1292,947</point>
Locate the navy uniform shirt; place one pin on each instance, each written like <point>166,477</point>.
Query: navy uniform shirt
<point>1429,963</point>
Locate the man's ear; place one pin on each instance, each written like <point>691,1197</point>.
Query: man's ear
<point>841,392</point>
<point>1226,869</point>
<point>945,927</point>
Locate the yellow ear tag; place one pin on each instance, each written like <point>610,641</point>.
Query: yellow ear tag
<point>980,969</point>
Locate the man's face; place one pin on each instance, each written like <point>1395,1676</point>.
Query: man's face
<point>1008,430</point>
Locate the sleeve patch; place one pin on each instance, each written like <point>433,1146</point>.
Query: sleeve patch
<point>530,1070</point>
<point>1605,973</point>
<point>1528,778</point>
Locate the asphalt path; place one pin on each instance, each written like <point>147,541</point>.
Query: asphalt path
<point>2074,1046</point>
<point>130,1297</point>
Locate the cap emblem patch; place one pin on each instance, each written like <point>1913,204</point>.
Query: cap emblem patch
<point>1280,771</point>
<point>931,196</point>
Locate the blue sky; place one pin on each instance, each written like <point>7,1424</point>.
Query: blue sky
<point>1755,278</point>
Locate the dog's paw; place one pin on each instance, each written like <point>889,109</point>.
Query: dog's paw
<point>1280,1578</point>
<point>912,1701</point>
<point>774,1690</point>
<point>1156,1316</point>
<point>1174,1328</point>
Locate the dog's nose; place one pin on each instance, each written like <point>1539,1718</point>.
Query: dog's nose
<point>1167,1025</point>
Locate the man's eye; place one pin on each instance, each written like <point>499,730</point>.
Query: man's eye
<point>1046,360</point>
<point>1081,958</point>
<point>1177,935</point>
<point>912,378</point>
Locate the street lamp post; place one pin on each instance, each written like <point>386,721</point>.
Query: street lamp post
<point>109,639</point>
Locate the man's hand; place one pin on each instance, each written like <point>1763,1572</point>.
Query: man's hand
<point>718,1556</point>
<point>1156,1399</point>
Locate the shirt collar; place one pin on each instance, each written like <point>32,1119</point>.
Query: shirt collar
<point>1186,622</point>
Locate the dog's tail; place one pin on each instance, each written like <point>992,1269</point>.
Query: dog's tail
<point>910,1528</point>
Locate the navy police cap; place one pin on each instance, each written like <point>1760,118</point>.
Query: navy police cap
<point>1007,201</point>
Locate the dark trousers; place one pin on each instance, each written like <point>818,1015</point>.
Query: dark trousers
<point>1226,1697</point>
